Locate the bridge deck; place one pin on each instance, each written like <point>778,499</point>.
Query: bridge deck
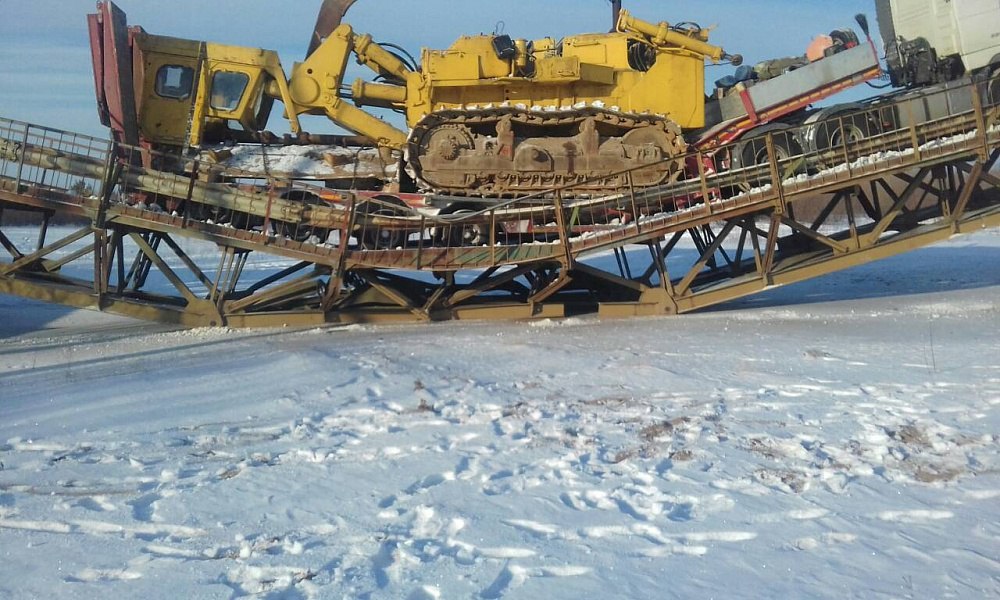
<point>347,257</point>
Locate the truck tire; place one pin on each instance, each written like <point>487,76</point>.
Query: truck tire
<point>381,238</point>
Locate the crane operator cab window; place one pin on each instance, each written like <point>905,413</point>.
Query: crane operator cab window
<point>227,90</point>
<point>174,81</point>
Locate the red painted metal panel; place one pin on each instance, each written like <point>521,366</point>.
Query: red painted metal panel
<point>95,28</point>
<point>116,74</point>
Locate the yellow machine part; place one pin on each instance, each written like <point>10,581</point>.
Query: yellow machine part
<point>316,85</point>
<point>190,88</point>
<point>187,88</point>
<point>167,88</point>
<point>591,69</point>
<point>468,61</point>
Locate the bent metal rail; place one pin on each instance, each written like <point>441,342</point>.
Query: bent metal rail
<point>877,182</point>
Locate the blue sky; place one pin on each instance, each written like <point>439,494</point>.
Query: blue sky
<point>45,73</point>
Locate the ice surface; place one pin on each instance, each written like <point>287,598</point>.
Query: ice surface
<point>831,439</point>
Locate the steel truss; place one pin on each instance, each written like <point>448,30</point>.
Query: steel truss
<point>782,221</point>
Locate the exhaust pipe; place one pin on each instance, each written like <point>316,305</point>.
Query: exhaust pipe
<point>862,20</point>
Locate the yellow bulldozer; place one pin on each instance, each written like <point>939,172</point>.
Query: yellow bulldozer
<point>492,115</point>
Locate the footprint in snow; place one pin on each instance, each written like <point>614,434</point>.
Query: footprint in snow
<point>827,539</point>
<point>512,576</point>
<point>99,575</point>
<point>385,565</point>
<point>467,468</point>
<point>144,507</point>
<point>432,480</point>
<point>96,504</point>
<point>681,512</point>
<point>425,592</point>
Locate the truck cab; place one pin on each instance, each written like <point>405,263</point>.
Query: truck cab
<point>934,41</point>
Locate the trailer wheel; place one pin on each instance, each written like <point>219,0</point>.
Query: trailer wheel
<point>298,232</point>
<point>217,215</point>
<point>381,238</point>
<point>829,137</point>
<point>752,151</point>
<point>462,234</point>
<point>849,130</point>
<point>993,86</point>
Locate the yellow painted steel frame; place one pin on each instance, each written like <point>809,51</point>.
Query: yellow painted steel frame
<point>315,89</point>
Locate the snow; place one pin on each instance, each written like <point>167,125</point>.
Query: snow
<point>306,161</point>
<point>830,439</point>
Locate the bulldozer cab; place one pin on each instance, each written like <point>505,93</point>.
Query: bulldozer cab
<point>192,93</point>
<point>158,90</point>
<point>165,89</point>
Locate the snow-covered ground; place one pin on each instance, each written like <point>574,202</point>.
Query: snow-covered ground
<point>832,439</point>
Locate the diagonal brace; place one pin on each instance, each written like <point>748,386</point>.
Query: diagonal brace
<point>38,255</point>
<point>164,268</point>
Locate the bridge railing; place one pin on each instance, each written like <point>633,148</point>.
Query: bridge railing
<point>787,164</point>
<point>48,163</point>
<point>780,165</point>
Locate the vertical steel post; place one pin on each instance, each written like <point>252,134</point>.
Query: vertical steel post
<point>755,243</point>
<point>20,160</point>
<point>100,256</point>
<point>112,169</point>
<point>563,229</point>
<point>420,241</point>
<point>776,182</point>
<point>43,229</point>
<point>635,208</point>
<point>337,279</point>
<point>195,174</point>
<point>843,143</point>
<point>493,237</point>
<point>704,184</point>
<point>977,108</point>
<point>771,249</point>
<point>851,221</point>
<point>914,140</point>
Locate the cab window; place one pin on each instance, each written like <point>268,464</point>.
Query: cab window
<point>227,89</point>
<point>174,81</point>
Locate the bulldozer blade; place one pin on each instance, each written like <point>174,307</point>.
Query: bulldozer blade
<point>331,13</point>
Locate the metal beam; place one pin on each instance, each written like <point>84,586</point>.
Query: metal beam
<point>947,196</point>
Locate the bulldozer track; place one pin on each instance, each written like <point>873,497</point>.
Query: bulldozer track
<point>559,251</point>
<point>499,182</point>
